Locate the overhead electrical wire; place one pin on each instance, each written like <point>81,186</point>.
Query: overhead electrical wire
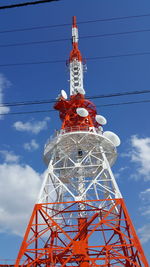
<point>118,56</point>
<point>36,42</point>
<point>68,24</point>
<point>26,4</point>
<point>125,103</point>
<point>137,92</point>
<point>58,61</point>
<point>103,105</point>
<point>49,101</point>
<point>27,112</point>
<point>67,39</point>
<point>33,63</point>
<point>63,60</point>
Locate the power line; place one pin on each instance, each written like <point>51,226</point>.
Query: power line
<point>124,103</point>
<point>27,112</point>
<point>52,110</point>
<point>36,42</point>
<point>67,39</point>
<point>63,60</point>
<point>35,28</point>
<point>26,4</point>
<point>49,101</point>
<point>33,63</point>
<point>121,94</point>
<point>118,56</point>
<point>68,24</point>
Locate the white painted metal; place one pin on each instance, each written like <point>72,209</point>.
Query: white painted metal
<point>79,168</point>
<point>76,76</point>
<point>76,68</point>
<point>75,36</point>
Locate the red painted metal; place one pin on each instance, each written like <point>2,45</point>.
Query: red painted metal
<point>10,265</point>
<point>104,237</point>
<point>75,53</point>
<point>69,116</point>
<point>74,22</point>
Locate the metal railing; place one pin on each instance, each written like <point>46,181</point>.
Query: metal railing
<point>71,130</point>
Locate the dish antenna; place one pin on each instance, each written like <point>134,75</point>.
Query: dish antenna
<point>81,91</point>
<point>64,94</point>
<point>100,128</point>
<point>112,137</point>
<point>100,119</point>
<point>82,112</point>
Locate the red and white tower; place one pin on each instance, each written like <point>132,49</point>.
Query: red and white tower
<point>80,218</point>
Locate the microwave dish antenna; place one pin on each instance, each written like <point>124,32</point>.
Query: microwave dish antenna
<point>82,112</point>
<point>81,91</point>
<point>64,94</point>
<point>100,128</point>
<point>114,138</point>
<point>100,119</point>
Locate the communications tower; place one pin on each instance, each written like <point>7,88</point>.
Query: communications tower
<point>80,218</point>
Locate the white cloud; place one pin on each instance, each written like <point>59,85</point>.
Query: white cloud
<point>31,126</point>
<point>144,233</point>
<point>9,156</point>
<point>140,154</point>
<point>33,145</point>
<point>145,195</point>
<point>4,83</point>
<point>145,198</point>
<point>19,188</point>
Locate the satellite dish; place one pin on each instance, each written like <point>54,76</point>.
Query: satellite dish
<point>81,91</point>
<point>58,97</point>
<point>100,128</point>
<point>112,137</point>
<point>63,94</point>
<point>100,119</point>
<point>82,112</point>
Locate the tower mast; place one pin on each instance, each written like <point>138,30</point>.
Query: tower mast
<point>80,218</point>
<point>75,62</point>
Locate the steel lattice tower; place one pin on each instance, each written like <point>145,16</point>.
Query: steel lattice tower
<point>80,218</point>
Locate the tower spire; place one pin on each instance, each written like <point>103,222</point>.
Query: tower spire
<point>75,53</point>
<point>75,36</point>
<point>75,62</point>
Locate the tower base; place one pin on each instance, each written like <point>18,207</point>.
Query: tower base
<point>99,234</point>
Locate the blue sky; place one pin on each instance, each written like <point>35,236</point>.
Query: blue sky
<point>22,137</point>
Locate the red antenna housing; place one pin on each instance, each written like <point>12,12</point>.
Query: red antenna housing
<point>71,119</point>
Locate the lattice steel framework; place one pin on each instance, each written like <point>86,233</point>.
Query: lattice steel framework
<point>80,218</point>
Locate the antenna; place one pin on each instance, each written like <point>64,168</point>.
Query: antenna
<point>64,94</point>
<point>114,138</point>
<point>100,128</point>
<point>82,112</point>
<point>75,62</point>
<point>81,91</point>
<point>100,119</point>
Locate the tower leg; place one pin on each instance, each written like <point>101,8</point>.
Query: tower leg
<point>82,223</point>
<point>105,237</point>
